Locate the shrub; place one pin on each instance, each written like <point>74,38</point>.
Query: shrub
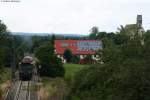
<point>51,65</point>
<point>68,55</point>
<point>123,76</point>
<point>75,59</point>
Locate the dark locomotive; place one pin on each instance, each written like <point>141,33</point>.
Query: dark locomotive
<point>26,67</point>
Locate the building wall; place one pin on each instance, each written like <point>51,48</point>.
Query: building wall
<point>78,47</point>
<point>81,48</point>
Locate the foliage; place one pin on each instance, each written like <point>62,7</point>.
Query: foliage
<point>5,45</point>
<point>94,32</point>
<point>75,59</point>
<point>111,52</point>
<point>55,88</point>
<point>68,55</point>
<point>51,65</point>
<point>5,75</point>
<point>53,39</point>
<point>3,28</point>
<point>1,58</point>
<point>9,46</point>
<point>123,76</point>
<point>37,41</point>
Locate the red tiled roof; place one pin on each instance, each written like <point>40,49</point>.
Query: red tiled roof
<point>78,47</point>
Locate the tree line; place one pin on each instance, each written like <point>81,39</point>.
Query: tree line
<point>124,73</point>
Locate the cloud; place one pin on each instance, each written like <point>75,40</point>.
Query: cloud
<point>72,16</point>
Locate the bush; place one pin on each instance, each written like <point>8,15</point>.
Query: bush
<point>52,70</point>
<point>75,59</point>
<point>51,65</point>
<point>129,81</point>
<point>1,58</point>
<point>68,55</point>
<point>123,76</point>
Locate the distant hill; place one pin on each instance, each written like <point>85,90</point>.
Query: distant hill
<point>47,34</point>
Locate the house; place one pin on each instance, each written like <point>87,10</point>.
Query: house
<point>80,48</point>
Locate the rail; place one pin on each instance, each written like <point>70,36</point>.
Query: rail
<point>21,90</point>
<point>23,93</point>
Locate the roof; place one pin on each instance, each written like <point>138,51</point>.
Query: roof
<point>78,47</point>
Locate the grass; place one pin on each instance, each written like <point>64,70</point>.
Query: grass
<point>4,80</point>
<point>5,75</point>
<point>71,70</point>
<point>53,88</point>
<point>58,87</point>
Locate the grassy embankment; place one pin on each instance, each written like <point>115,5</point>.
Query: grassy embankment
<point>58,88</point>
<point>4,75</point>
<point>4,80</point>
<point>53,89</point>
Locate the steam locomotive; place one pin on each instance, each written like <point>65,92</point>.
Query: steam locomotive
<point>26,67</point>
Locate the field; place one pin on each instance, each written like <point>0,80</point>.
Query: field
<point>71,70</point>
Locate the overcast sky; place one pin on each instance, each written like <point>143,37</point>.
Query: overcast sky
<point>72,16</point>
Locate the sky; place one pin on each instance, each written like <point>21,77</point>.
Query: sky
<point>72,16</point>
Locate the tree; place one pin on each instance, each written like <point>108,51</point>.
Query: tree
<point>51,65</point>
<point>75,59</point>
<point>21,49</point>
<point>3,29</point>
<point>68,55</point>
<point>53,39</point>
<point>101,35</point>
<point>1,57</point>
<point>5,45</point>
<point>93,32</point>
<point>111,52</point>
<point>124,75</point>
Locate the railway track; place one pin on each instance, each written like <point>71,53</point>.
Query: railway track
<point>21,92</point>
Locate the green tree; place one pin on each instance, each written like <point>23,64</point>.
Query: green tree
<point>1,58</point>
<point>124,75</point>
<point>93,32</point>
<point>3,29</point>
<point>5,44</point>
<point>101,35</point>
<point>53,39</point>
<point>68,55</point>
<point>51,65</point>
<point>75,59</point>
